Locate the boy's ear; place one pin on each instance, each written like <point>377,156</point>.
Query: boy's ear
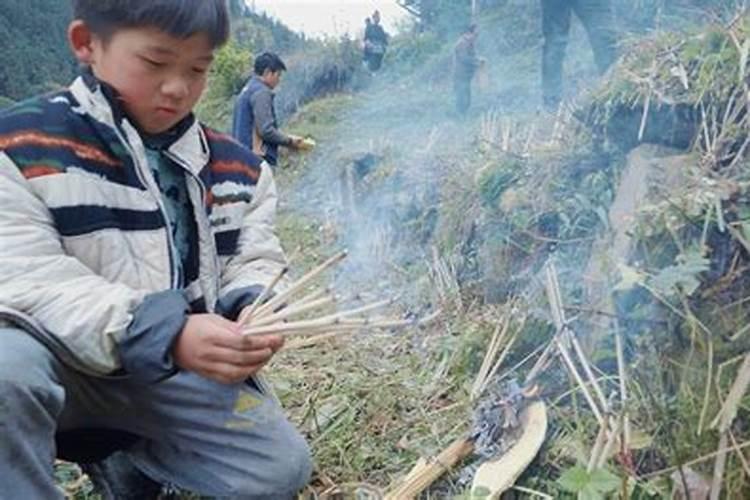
<point>81,40</point>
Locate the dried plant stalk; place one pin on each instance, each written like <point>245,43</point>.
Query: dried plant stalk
<point>248,312</point>
<point>427,472</point>
<point>280,299</point>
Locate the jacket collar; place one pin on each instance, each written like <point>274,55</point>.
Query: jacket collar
<point>186,141</point>
<point>257,79</point>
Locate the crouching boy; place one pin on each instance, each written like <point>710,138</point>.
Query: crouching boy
<point>130,238</point>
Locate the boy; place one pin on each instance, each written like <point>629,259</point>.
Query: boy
<point>254,122</point>
<point>130,238</point>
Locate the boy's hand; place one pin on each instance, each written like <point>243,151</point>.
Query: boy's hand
<point>215,348</point>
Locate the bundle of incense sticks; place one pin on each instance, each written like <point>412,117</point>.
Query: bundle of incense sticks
<point>276,315</point>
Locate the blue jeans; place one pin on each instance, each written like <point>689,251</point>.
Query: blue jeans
<point>225,441</point>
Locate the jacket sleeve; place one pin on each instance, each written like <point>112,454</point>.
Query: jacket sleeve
<point>262,104</point>
<point>259,257</point>
<point>86,312</point>
<point>242,118</point>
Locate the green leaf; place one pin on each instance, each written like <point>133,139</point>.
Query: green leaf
<point>683,277</point>
<point>595,485</point>
<point>574,479</point>
<point>603,481</point>
<point>629,278</point>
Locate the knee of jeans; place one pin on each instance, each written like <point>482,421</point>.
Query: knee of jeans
<point>25,369</point>
<point>28,403</point>
<point>287,469</point>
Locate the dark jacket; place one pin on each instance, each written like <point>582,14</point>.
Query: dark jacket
<point>254,122</point>
<point>376,34</point>
<point>465,61</point>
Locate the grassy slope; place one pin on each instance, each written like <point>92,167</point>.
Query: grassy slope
<point>371,405</point>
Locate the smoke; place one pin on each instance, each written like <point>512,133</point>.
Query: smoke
<point>386,177</point>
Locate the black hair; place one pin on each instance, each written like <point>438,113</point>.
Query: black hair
<point>268,61</point>
<point>179,18</point>
<point>471,28</point>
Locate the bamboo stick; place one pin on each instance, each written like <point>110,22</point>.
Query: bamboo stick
<point>497,335</point>
<point>312,341</point>
<point>583,360</point>
<point>558,313</point>
<point>278,300</point>
<point>623,374</point>
<point>422,477</point>
<point>611,441</point>
<point>581,384</point>
<point>331,319</point>
<point>315,295</point>
<point>293,310</point>
<point>247,312</point>
<point>719,467</point>
<point>498,363</point>
<point>599,443</point>
<point>740,386</point>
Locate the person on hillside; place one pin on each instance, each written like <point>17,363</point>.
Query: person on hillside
<point>596,17</point>
<point>465,65</point>
<point>131,236</point>
<point>254,122</point>
<point>376,42</point>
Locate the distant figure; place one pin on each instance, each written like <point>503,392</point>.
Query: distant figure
<point>465,65</point>
<point>376,42</point>
<point>254,123</point>
<point>596,17</point>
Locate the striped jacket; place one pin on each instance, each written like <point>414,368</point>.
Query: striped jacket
<point>85,252</point>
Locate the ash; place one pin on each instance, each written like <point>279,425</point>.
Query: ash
<point>495,425</point>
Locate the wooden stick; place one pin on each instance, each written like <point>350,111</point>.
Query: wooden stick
<point>583,360</point>
<point>492,349</point>
<point>312,341</point>
<point>247,312</point>
<point>317,294</point>
<point>422,477</point>
<point>611,440</point>
<point>493,371</point>
<point>599,442</point>
<point>623,376</point>
<point>740,386</point>
<point>278,300</point>
<point>581,384</point>
<point>293,311</point>
<point>719,467</point>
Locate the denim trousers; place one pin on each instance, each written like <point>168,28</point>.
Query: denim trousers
<point>221,441</point>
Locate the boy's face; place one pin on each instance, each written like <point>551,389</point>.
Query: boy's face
<point>159,77</point>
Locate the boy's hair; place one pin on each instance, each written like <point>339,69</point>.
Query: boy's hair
<point>268,61</point>
<point>179,18</point>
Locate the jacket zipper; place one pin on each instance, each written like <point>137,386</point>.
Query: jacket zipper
<point>149,183</point>
<point>203,227</point>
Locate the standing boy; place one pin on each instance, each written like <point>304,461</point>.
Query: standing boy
<point>130,238</point>
<point>255,124</point>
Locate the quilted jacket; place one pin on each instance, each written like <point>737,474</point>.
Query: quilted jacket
<point>85,251</point>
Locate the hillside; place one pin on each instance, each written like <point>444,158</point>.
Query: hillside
<point>34,58</point>
<point>631,204</point>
